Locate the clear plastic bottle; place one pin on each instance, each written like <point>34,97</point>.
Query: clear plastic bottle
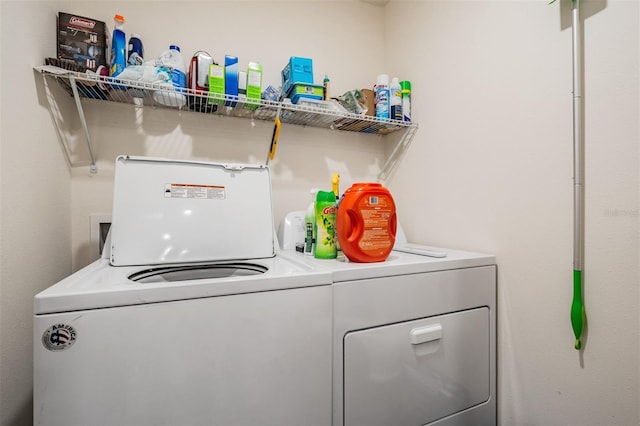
<point>173,59</point>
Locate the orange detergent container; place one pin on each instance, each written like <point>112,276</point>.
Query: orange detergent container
<point>366,223</point>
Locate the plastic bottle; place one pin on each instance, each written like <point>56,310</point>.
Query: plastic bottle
<point>173,59</point>
<point>326,84</point>
<point>179,74</point>
<point>382,96</point>
<point>325,228</point>
<point>135,52</point>
<point>135,57</point>
<point>406,100</point>
<point>118,49</point>
<point>242,86</point>
<point>335,187</point>
<point>395,99</point>
<point>309,222</point>
<point>366,222</point>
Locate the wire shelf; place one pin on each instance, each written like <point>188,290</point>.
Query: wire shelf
<point>141,94</point>
<point>92,87</point>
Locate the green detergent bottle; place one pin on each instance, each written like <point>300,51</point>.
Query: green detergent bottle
<point>325,226</point>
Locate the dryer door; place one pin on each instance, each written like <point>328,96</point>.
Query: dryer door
<point>417,372</point>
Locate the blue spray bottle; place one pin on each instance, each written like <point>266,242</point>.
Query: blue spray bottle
<point>118,49</point>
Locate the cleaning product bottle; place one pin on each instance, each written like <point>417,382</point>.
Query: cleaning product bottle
<point>135,51</point>
<point>135,57</point>
<point>366,222</point>
<point>173,59</point>
<point>325,228</point>
<point>326,82</point>
<point>309,223</point>
<point>335,187</point>
<point>382,96</point>
<point>118,49</point>
<point>406,100</point>
<point>395,101</point>
<point>179,72</point>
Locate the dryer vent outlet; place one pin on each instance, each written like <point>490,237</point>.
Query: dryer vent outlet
<point>99,228</point>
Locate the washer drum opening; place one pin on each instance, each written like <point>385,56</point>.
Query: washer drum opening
<point>197,272</point>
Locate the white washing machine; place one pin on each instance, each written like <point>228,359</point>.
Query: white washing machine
<point>414,337</point>
<point>191,317</point>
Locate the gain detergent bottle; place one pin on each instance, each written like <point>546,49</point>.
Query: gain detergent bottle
<point>325,226</point>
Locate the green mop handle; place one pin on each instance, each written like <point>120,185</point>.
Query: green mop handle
<point>577,308</point>
<point>578,315</point>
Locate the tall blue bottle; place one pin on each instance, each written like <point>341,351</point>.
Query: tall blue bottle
<point>118,49</point>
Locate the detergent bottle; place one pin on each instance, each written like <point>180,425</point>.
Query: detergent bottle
<point>118,49</point>
<point>366,222</point>
<point>325,226</point>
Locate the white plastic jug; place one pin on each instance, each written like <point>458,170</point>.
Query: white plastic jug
<point>173,59</point>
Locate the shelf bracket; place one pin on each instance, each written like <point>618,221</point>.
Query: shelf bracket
<point>394,157</point>
<point>93,168</point>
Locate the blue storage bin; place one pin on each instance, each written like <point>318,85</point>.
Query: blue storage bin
<point>298,70</point>
<point>304,90</point>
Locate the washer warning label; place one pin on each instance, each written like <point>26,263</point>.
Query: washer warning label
<point>185,190</point>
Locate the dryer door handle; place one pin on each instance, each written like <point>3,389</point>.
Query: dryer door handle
<point>426,334</point>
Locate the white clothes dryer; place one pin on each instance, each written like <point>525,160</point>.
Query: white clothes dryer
<point>414,337</point>
<point>191,317</point>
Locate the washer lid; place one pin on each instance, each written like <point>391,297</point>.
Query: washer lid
<point>173,211</point>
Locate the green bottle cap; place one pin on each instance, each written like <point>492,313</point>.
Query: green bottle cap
<point>405,86</point>
<point>326,196</point>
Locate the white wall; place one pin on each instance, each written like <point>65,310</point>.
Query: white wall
<point>35,230</point>
<point>46,206</point>
<point>305,158</point>
<point>491,170</point>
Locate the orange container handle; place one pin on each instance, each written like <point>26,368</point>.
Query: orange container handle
<point>353,232</point>
<point>394,225</point>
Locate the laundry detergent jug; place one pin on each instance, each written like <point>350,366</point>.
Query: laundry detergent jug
<point>366,222</point>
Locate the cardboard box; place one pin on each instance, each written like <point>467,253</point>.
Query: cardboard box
<point>81,41</point>
<point>298,70</point>
<point>304,90</point>
<point>216,84</point>
<point>254,85</point>
<point>369,101</point>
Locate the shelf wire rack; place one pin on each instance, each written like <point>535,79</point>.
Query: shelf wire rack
<point>87,85</point>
